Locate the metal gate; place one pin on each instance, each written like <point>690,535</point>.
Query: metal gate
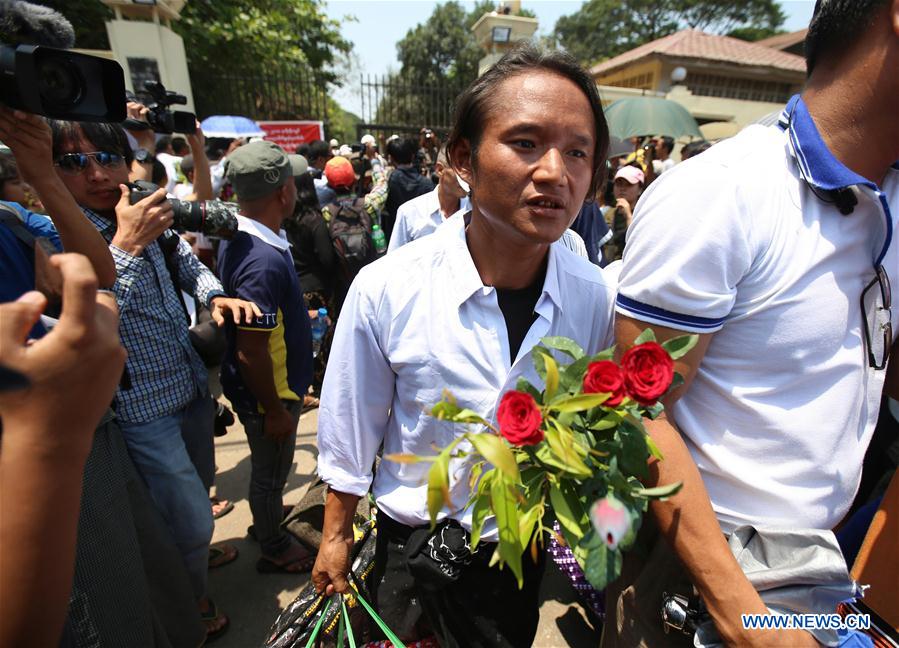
<point>394,106</point>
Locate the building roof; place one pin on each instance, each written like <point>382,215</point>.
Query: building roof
<point>695,44</point>
<point>783,41</point>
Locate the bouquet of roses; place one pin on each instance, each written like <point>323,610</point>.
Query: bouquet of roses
<point>573,453</point>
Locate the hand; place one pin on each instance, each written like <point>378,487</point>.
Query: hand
<point>624,206</point>
<point>73,370</point>
<point>141,223</point>
<point>279,424</point>
<point>370,152</point>
<point>329,575</point>
<point>146,138</point>
<point>240,310</point>
<point>28,137</point>
<point>196,140</point>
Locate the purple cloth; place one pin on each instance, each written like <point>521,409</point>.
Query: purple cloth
<point>567,563</point>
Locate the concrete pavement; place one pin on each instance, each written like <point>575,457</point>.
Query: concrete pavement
<point>253,600</point>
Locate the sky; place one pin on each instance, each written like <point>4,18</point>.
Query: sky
<point>381,23</point>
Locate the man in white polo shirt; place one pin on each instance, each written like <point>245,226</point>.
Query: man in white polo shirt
<point>421,216</point>
<point>776,247</point>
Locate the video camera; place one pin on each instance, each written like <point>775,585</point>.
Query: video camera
<point>61,84</point>
<point>160,118</point>
<point>213,218</point>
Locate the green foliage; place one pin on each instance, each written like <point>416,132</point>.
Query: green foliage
<point>87,18</point>
<point>340,124</point>
<point>601,29</point>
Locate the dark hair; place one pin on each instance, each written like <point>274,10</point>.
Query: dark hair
<point>105,137</point>
<point>303,149</point>
<point>402,150</point>
<point>306,197</point>
<point>318,149</point>
<point>694,148</point>
<point>475,101</point>
<point>668,142</point>
<point>163,143</point>
<point>159,173</point>
<point>179,146</point>
<point>9,170</point>
<point>836,25</point>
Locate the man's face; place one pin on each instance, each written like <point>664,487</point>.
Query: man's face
<point>535,161</point>
<point>96,187</point>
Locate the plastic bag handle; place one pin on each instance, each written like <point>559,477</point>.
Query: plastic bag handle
<point>374,615</point>
<point>318,625</point>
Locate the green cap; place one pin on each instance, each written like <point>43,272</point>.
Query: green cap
<point>258,169</point>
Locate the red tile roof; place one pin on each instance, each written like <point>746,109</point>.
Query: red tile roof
<point>692,43</point>
<point>783,41</point>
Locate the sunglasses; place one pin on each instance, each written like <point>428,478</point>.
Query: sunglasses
<point>876,302</point>
<point>74,163</point>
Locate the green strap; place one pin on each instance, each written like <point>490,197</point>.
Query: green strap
<point>318,626</point>
<point>374,615</point>
<point>346,622</point>
<point>340,624</point>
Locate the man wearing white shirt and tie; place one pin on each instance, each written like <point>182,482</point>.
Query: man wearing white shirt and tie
<point>461,310</point>
<point>421,216</point>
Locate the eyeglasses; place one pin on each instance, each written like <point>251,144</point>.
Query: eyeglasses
<point>876,316</point>
<point>74,163</point>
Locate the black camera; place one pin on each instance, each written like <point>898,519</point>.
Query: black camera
<point>213,218</point>
<point>160,118</point>
<point>61,84</point>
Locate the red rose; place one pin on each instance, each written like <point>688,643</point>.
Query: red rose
<point>648,371</point>
<point>519,419</point>
<point>605,376</point>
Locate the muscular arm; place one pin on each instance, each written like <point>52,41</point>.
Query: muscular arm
<point>687,520</point>
<point>255,365</point>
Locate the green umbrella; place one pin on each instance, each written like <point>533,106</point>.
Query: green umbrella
<point>650,116</point>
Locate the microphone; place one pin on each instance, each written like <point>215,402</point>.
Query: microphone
<point>24,23</point>
<point>845,200</point>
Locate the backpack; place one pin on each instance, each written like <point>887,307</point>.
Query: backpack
<point>350,227</point>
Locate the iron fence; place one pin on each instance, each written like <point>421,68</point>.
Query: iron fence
<point>280,95</point>
<point>401,106</point>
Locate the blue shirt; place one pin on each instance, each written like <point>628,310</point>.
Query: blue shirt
<point>256,265</point>
<point>592,227</point>
<point>16,258</point>
<point>166,373</point>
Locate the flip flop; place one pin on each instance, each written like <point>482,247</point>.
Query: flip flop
<point>222,554</point>
<point>224,507</point>
<point>213,614</point>
<point>285,511</point>
<point>299,566</point>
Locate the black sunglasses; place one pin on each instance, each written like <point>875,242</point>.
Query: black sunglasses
<point>879,330</point>
<point>73,163</point>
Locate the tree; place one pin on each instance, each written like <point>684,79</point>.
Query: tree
<point>601,29</point>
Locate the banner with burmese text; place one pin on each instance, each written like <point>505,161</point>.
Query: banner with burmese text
<point>290,134</point>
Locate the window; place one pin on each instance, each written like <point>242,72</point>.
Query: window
<point>711,85</point>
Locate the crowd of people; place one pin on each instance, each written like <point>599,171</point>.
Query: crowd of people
<point>364,279</point>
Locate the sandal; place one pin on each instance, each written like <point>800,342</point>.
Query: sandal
<point>222,554</point>
<point>266,565</point>
<point>285,511</point>
<point>220,507</point>
<point>210,618</point>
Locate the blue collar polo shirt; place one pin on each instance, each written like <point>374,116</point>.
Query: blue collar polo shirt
<point>747,242</point>
<point>256,266</point>
<point>17,256</point>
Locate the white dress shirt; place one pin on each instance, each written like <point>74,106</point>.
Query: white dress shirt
<point>419,321</point>
<point>419,217</point>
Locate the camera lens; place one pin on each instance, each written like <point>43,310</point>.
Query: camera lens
<point>59,83</point>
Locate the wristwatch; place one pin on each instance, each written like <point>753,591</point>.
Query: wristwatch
<point>144,156</point>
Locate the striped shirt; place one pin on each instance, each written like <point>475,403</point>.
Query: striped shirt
<point>165,371</point>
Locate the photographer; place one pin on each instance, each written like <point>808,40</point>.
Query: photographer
<point>168,398</point>
<point>28,137</point>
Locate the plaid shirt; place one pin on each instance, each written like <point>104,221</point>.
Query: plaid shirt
<point>166,373</point>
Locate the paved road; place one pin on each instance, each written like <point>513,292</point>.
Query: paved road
<point>253,600</point>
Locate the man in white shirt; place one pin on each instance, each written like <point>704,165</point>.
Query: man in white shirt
<point>776,247</point>
<point>663,146</point>
<point>461,310</point>
<point>421,216</point>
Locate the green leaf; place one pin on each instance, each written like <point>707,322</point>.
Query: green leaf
<point>505,507</point>
<point>659,492</point>
<point>495,450</point>
<point>648,335</point>
<point>581,402</point>
<point>654,411</point>
<point>445,410</point>
<point>654,450</point>
<point>676,382</point>
<point>526,524</point>
<point>524,386</point>
<point>680,346</point>
<point>606,354</point>
<point>564,513</point>
<point>572,377</point>
<point>552,377</point>
<point>602,566</point>
<point>565,345</point>
<point>538,355</point>
<point>607,422</point>
<point>438,486</point>
<point>634,453</point>
<point>481,509</point>
<point>564,451</point>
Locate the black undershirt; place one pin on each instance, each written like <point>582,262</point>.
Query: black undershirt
<point>517,306</point>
